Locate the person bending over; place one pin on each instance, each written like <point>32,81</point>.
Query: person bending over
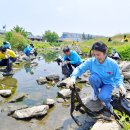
<point>7,57</point>
<point>71,58</point>
<point>105,74</point>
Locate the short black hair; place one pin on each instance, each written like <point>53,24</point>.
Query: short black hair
<point>99,46</point>
<point>3,49</point>
<point>32,45</point>
<point>66,49</point>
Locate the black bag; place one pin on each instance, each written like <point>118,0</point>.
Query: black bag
<point>66,71</point>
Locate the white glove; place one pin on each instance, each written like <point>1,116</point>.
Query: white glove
<point>70,82</point>
<point>122,90</point>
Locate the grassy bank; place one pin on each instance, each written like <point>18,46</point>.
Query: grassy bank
<point>122,47</point>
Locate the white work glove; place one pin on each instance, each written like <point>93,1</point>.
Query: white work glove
<point>122,90</point>
<point>70,82</point>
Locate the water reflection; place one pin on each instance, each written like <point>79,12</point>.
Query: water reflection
<point>28,68</point>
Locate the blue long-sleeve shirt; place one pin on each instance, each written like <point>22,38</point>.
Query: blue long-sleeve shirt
<point>28,49</point>
<point>108,71</point>
<point>74,58</point>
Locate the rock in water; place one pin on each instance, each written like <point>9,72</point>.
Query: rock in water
<point>41,81</point>
<point>126,67</point>
<point>5,93</point>
<point>13,108</point>
<point>50,102</point>
<point>18,97</point>
<point>92,105</point>
<point>126,75</point>
<point>64,93</point>
<point>103,125</point>
<point>60,100</point>
<point>35,111</point>
<point>53,77</point>
<point>63,83</point>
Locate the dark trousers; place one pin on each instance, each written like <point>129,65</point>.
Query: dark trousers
<point>70,65</point>
<point>8,63</point>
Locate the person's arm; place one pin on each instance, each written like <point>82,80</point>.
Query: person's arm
<point>12,53</point>
<point>75,57</point>
<point>81,69</point>
<point>64,58</point>
<point>117,76</point>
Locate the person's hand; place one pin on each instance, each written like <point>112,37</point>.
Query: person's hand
<point>67,62</point>
<point>7,56</point>
<point>70,82</point>
<point>122,90</point>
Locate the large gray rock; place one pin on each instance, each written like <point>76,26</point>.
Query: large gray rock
<point>18,97</point>
<point>64,83</point>
<point>13,108</point>
<point>53,77</point>
<point>125,66</point>
<point>60,100</point>
<point>50,102</point>
<point>92,105</point>
<point>103,125</point>
<point>126,75</point>
<point>35,111</point>
<point>5,93</point>
<point>41,81</point>
<point>64,93</point>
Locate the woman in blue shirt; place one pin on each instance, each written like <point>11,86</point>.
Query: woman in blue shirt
<point>105,74</point>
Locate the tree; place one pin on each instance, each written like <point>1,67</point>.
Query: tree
<point>20,30</point>
<point>50,36</point>
<point>83,37</point>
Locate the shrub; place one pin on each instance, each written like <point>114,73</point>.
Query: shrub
<point>18,41</point>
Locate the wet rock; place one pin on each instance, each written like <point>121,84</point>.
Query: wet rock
<point>50,102</point>
<point>60,100</point>
<point>5,93</point>
<point>1,76</point>
<point>125,66</point>
<point>92,105</point>
<point>126,75</point>
<point>103,125</point>
<point>18,97</point>
<point>35,111</point>
<point>53,77</point>
<point>13,108</point>
<point>63,83</point>
<point>34,64</point>
<point>64,93</point>
<point>41,81</point>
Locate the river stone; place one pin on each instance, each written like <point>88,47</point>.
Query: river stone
<point>104,125</point>
<point>64,93</point>
<point>126,75</point>
<point>13,108</point>
<point>35,111</point>
<point>83,81</point>
<point>41,81</point>
<point>53,77</point>
<point>1,99</point>
<point>126,67</point>
<point>18,97</point>
<point>60,100</point>
<point>1,76</point>
<point>63,83</point>
<point>92,105</point>
<point>50,102</point>
<point>5,93</point>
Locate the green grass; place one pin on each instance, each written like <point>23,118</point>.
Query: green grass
<point>122,47</point>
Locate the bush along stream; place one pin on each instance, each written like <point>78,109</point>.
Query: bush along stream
<point>37,98</point>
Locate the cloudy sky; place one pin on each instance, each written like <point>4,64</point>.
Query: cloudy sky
<point>103,17</point>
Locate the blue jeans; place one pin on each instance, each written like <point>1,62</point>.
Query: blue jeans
<point>105,93</point>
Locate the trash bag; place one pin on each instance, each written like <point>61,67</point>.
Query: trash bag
<point>66,71</point>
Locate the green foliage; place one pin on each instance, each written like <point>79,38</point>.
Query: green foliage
<point>18,41</point>
<point>124,119</point>
<point>50,36</point>
<point>20,30</point>
<point>41,45</point>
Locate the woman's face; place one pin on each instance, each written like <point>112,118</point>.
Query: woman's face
<point>100,56</point>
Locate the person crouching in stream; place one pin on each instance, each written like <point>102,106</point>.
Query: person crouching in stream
<point>105,74</point>
<point>71,58</point>
<point>7,57</point>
